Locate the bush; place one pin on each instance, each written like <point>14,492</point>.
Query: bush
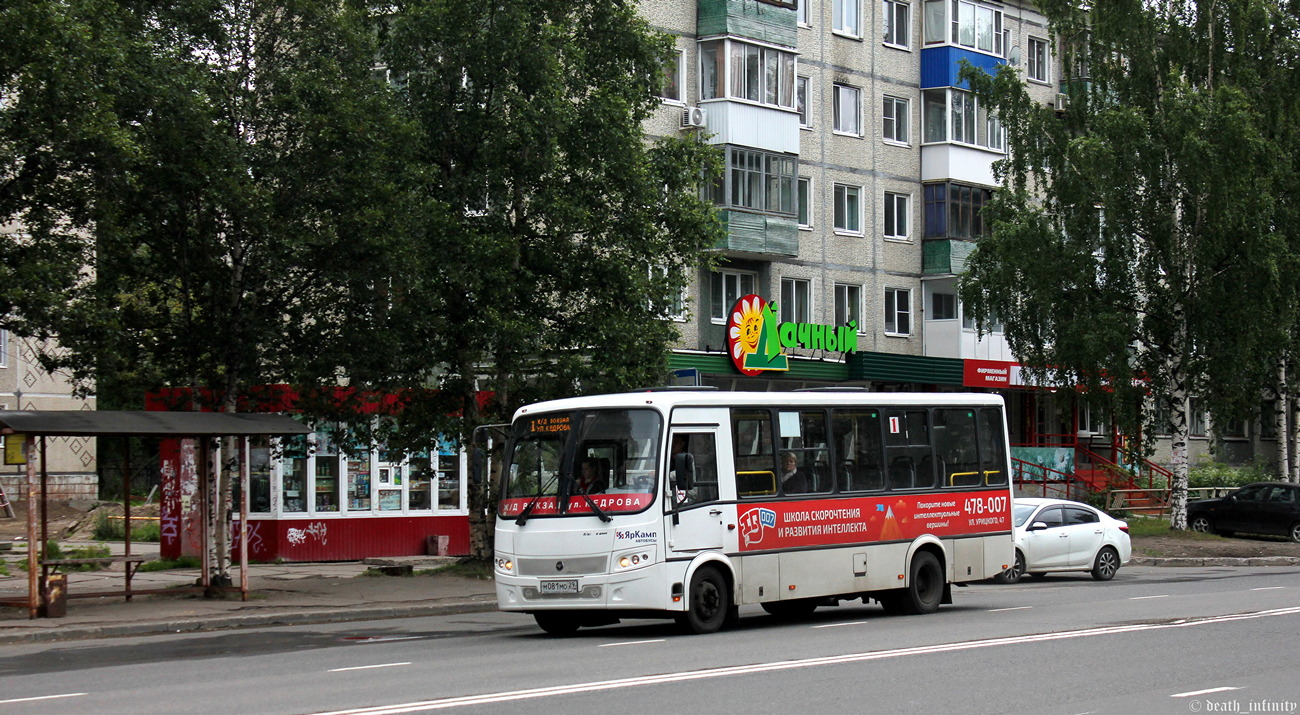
<point>184,562</point>
<point>1217,474</point>
<point>54,551</point>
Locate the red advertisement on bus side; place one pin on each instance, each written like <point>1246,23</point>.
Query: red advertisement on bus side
<point>827,522</point>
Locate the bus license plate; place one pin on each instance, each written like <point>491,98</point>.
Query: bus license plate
<point>568,586</point>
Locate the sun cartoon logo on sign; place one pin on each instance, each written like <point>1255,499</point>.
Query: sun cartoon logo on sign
<point>751,337</point>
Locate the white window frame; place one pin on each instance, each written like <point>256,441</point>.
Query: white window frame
<point>896,309</point>
<point>4,348</point>
<point>848,24</point>
<point>1038,61</point>
<point>680,71</point>
<point>848,306</point>
<point>801,105</point>
<point>847,94</point>
<point>895,121</point>
<point>677,310</point>
<point>899,205</point>
<point>961,111</point>
<point>725,276</point>
<point>796,300</point>
<point>803,17</point>
<point>804,203</point>
<point>935,299</point>
<point>846,222</point>
<point>891,10</point>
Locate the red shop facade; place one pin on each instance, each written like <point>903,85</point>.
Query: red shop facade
<point>314,499</point>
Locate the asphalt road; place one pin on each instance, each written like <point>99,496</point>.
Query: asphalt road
<point>1154,640</point>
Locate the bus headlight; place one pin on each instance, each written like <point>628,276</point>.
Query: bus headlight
<point>632,560</point>
<point>505,565</point>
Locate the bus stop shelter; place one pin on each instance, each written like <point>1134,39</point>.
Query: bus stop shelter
<point>37,426</point>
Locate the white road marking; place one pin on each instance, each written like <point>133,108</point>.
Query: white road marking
<point>1202,692</point>
<point>1014,608</point>
<point>689,675</point>
<point>1144,598</point>
<point>610,645</point>
<point>367,667</point>
<point>41,697</point>
<point>837,625</point>
<point>1269,588</point>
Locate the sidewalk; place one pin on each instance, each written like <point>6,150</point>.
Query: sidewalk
<point>280,594</point>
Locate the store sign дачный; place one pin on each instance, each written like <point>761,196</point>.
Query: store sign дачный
<point>756,340</point>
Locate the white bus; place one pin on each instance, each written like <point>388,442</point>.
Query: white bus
<point>689,503</point>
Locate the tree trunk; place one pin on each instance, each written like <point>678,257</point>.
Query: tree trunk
<point>1282,423</point>
<point>1179,404</point>
<point>1293,439</point>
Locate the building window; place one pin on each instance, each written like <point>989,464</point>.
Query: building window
<point>1268,420</point>
<point>727,287</point>
<point>978,27</point>
<point>845,17</point>
<point>898,311</point>
<point>943,306</point>
<point>955,115</point>
<point>848,306</point>
<point>672,89</point>
<point>801,99</point>
<point>848,208</point>
<point>757,181</point>
<point>896,216</point>
<point>805,202</point>
<point>846,110</point>
<point>795,297</point>
<point>4,350</point>
<point>675,299</point>
<point>1196,418</point>
<point>804,17</point>
<point>953,211</point>
<point>896,19</point>
<point>1037,61</point>
<point>894,119</point>
<point>757,74</point>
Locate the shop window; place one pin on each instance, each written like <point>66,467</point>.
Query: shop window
<point>327,486</point>
<point>359,481</point>
<point>259,476</point>
<point>449,478</point>
<point>294,494</point>
<point>388,482</point>
<point>419,495</point>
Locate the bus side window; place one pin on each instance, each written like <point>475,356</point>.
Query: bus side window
<point>703,452</point>
<point>993,458</point>
<point>907,449</point>
<point>955,447</point>
<point>856,435</point>
<point>755,453</point>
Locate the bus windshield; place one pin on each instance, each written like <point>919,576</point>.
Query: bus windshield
<point>581,463</point>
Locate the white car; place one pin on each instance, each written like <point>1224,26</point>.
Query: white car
<point>1060,535</point>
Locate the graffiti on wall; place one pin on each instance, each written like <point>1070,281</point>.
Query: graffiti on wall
<point>317,530</point>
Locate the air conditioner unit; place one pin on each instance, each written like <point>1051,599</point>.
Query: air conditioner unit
<point>1062,102</point>
<point>693,117</point>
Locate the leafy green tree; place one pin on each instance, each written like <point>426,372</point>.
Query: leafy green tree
<point>208,193</point>
<point>1135,250</point>
<point>557,234</point>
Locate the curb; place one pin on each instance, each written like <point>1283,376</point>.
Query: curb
<point>198,624</point>
<point>1215,561</point>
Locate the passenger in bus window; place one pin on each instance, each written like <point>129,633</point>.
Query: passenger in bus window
<point>793,479</point>
<point>591,481</point>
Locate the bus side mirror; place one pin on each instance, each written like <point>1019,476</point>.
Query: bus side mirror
<point>683,467</point>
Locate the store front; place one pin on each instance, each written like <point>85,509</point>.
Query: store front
<point>312,498</point>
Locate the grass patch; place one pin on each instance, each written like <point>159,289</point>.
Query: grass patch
<point>463,569</point>
<point>1160,527</point>
<point>184,562</point>
<point>107,529</point>
<point>54,551</point>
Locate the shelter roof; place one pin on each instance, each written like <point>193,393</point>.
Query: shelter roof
<point>81,423</point>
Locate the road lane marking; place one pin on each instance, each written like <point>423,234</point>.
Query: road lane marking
<point>1014,608</point>
<point>1269,588</point>
<point>610,645</point>
<point>1144,598</point>
<point>41,697</point>
<point>367,667</point>
<point>729,671</point>
<point>1202,692</point>
<point>837,625</point>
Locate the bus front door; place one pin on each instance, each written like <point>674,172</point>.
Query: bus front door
<point>695,518</point>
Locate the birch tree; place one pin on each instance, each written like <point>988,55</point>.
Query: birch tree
<point>1133,250</point>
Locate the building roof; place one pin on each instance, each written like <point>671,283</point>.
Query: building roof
<point>86,423</point>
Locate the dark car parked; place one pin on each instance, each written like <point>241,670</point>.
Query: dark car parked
<point>1263,508</point>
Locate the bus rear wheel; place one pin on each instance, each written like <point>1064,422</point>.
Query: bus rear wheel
<point>557,623</point>
<point>709,602</point>
<point>924,589</point>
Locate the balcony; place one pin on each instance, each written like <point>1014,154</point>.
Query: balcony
<point>760,234</point>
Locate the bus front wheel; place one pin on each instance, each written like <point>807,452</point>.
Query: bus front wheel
<point>708,604</point>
